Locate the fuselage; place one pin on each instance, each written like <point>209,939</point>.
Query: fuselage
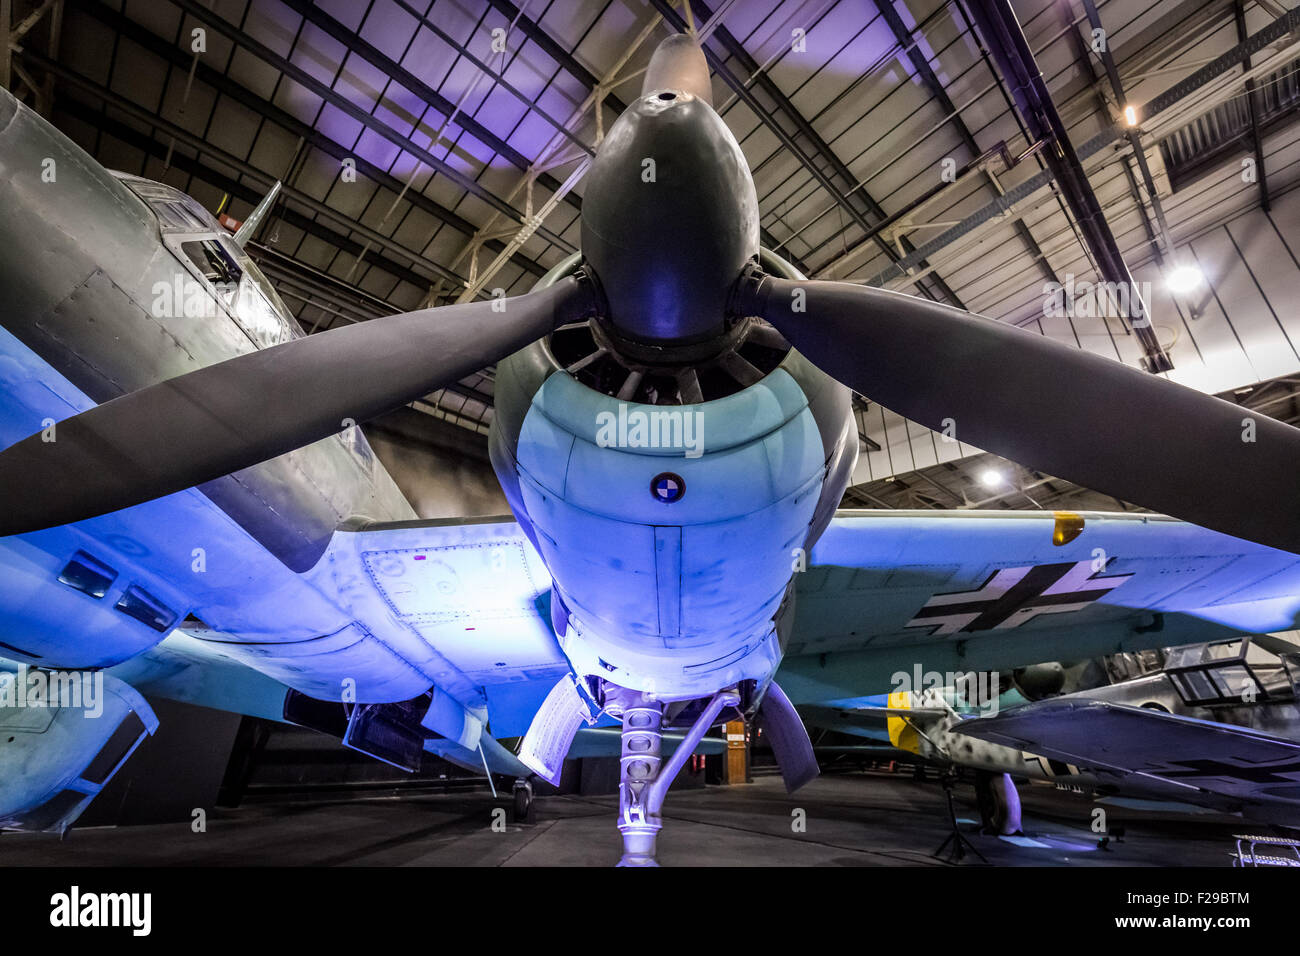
<point>938,739</point>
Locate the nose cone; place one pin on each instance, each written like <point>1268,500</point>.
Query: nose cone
<point>679,64</point>
<point>669,218</point>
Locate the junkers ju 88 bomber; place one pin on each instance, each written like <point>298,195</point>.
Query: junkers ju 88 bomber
<point>673,435</point>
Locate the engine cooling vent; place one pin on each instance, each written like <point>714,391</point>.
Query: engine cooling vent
<point>589,356</point>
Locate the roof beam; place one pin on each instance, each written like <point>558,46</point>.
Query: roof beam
<point>404,77</point>
<point>1009,48</point>
<point>1134,136</point>
<point>498,78</point>
<point>226,86</point>
<point>839,183</point>
<point>1252,102</point>
<point>342,103</point>
<point>584,76</point>
<point>1083,59</point>
<point>1284,25</point>
<point>556,52</point>
<point>922,66</point>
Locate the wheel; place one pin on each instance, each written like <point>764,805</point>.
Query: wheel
<point>523,801</point>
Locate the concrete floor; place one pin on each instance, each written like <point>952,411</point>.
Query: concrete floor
<point>860,819</point>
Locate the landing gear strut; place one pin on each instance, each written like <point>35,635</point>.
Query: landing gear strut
<point>644,777</point>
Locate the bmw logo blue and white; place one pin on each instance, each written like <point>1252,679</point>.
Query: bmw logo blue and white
<point>667,487</point>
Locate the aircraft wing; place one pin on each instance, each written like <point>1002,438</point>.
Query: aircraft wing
<point>464,603</point>
<point>195,671</point>
<point>890,593</point>
<point>1184,751</point>
<point>865,720</point>
<point>883,593</point>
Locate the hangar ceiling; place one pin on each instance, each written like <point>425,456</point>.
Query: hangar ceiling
<point>433,151</point>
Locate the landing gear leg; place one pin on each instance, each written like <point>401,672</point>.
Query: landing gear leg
<point>638,769</point>
<point>644,777</point>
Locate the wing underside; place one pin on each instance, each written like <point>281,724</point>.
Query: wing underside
<point>1183,751</point>
<point>888,592</point>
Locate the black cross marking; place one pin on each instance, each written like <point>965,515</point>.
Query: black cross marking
<point>1025,594</point>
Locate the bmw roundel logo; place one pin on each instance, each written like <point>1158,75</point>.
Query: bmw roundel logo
<point>668,487</point>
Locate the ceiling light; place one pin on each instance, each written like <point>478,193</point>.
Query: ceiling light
<point>1183,278</point>
<point>991,478</point>
<point>1131,115</point>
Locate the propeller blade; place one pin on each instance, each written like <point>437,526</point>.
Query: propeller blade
<point>678,63</point>
<point>216,420</point>
<point>1056,409</point>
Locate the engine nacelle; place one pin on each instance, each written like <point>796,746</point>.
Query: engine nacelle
<point>63,736</point>
<point>672,492</point>
<point>688,520</point>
